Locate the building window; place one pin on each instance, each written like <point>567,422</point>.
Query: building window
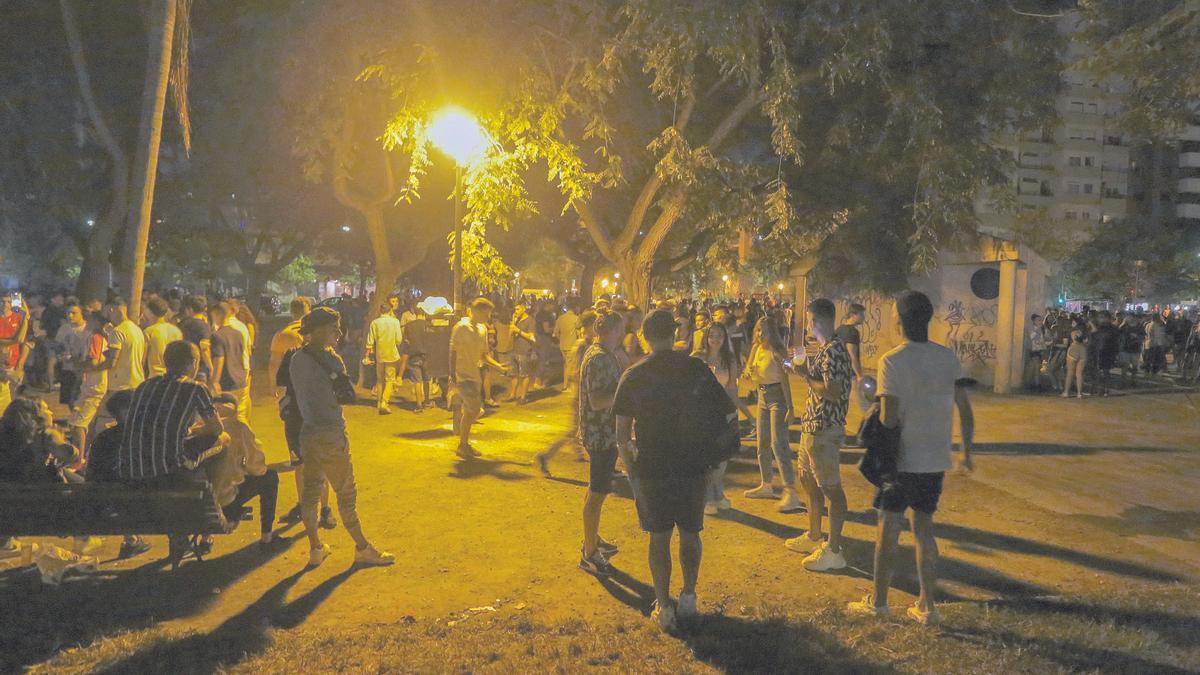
<point>1073,188</point>
<point>1089,188</point>
<point>1093,109</point>
<point>1074,134</point>
<point>1071,215</point>
<point>1112,140</point>
<point>1086,215</point>
<point>1106,218</point>
<point>1089,135</point>
<point>1075,160</point>
<point>1077,106</point>
<point>1088,160</point>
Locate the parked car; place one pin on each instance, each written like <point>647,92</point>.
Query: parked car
<point>270,305</point>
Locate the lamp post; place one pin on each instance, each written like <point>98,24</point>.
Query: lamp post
<point>456,133</point>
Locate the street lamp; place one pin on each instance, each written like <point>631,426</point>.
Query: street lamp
<point>456,133</point>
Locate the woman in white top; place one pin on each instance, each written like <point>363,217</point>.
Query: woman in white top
<point>765,368</point>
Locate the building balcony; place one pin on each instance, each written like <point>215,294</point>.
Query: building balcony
<point>1189,185</point>
<point>1114,168</point>
<point>1189,159</point>
<point>1190,133</point>
<point>1082,144</point>
<point>1191,211</point>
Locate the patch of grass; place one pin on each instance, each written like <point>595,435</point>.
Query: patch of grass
<point>1132,632</point>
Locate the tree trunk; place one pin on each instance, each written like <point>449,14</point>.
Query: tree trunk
<point>94,273</point>
<point>386,272</point>
<point>637,282</point>
<point>154,93</point>
<point>587,279</point>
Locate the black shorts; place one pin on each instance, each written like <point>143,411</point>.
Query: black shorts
<point>602,464</point>
<point>918,491</point>
<point>663,504</point>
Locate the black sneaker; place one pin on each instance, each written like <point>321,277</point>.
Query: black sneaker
<point>608,548</point>
<point>291,517</point>
<point>595,564</point>
<point>130,549</point>
<point>327,521</point>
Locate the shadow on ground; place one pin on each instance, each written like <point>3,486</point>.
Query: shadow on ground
<point>87,607</point>
<point>1035,449</point>
<point>773,645</point>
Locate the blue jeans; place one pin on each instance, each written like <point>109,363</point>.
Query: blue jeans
<point>773,435</point>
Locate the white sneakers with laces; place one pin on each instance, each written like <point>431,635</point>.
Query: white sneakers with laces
<point>372,557</point>
<point>824,559</point>
<point>316,556</point>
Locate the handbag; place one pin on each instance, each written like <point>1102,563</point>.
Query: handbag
<point>879,461</point>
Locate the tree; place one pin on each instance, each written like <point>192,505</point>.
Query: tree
<point>1151,46</point>
<point>861,134</point>
<point>1136,258</point>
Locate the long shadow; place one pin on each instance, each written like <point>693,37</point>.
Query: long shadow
<point>238,637</point>
<point>1042,449</point>
<point>1148,520</point>
<point>1073,657</point>
<point>759,523</point>
<point>621,487</point>
<point>426,434</point>
<point>772,645</point>
<point>479,467</point>
<point>1179,630</point>
<point>629,591</point>
<point>91,606</point>
<point>1008,543</point>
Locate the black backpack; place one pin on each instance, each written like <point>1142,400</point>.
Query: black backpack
<point>879,461</point>
<point>707,419</point>
<point>289,409</point>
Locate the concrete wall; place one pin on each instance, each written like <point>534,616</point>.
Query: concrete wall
<point>987,334</point>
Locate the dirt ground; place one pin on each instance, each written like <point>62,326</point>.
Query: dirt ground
<point>1071,498</point>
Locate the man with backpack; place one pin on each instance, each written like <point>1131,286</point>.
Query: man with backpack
<point>667,398</point>
<point>598,377</point>
<point>322,387</point>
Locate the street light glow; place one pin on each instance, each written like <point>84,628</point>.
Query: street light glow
<point>781,286</point>
<point>345,228</point>
<point>604,283</point>
<point>616,275</point>
<point>455,132</point>
<point>725,277</point>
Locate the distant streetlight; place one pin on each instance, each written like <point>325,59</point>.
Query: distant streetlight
<point>725,278</point>
<point>780,286</point>
<point>91,222</point>
<point>455,132</point>
<point>616,275</point>
<point>345,228</point>
<point>604,283</point>
<point>517,275</point>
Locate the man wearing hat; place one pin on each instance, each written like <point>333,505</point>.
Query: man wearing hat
<point>318,375</point>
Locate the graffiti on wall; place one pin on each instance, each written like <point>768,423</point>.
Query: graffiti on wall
<point>871,329</point>
<point>969,332</point>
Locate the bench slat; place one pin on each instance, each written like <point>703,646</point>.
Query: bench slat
<point>107,509</point>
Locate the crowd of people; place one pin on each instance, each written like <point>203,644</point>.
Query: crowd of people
<point>1070,350</point>
<point>164,400</point>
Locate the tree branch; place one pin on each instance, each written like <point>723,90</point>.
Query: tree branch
<point>695,249</point>
<point>594,228</point>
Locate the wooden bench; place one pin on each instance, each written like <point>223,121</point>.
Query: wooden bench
<point>78,509</point>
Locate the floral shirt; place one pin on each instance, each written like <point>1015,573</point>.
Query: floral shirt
<point>598,376</point>
<point>829,362</point>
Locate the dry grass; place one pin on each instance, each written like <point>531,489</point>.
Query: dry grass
<point>1144,632</point>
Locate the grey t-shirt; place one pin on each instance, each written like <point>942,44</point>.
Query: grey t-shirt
<point>313,384</point>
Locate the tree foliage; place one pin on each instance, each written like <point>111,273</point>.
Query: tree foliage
<point>1158,259</point>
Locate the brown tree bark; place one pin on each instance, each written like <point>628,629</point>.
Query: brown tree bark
<point>154,94</point>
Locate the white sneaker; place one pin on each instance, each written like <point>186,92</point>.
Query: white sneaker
<point>824,560</point>
<point>710,508</point>
<point>665,616</point>
<point>10,549</point>
<point>371,557</point>
<point>761,492</point>
<point>316,556</point>
<point>686,606</point>
<point>790,501</point>
<point>867,607</point>
<point>803,544</point>
<point>724,505</point>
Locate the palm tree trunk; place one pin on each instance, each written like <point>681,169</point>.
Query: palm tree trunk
<point>154,94</point>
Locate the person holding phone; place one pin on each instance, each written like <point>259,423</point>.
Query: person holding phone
<point>765,368</point>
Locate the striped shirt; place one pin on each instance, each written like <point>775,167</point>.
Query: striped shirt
<point>160,415</point>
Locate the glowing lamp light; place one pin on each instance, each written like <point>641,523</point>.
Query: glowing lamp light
<point>725,277</point>
<point>780,287</point>
<point>616,275</point>
<point>604,283</point>
<point>455,132</point>
<point>345,228</point>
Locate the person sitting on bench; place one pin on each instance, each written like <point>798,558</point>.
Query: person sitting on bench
<point>31,449</point>
<point>172,427</point>
<point>102,460</point>
<point>241,473</point>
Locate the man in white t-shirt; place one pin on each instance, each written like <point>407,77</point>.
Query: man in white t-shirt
<point>920,386</point>
<point>384,337</point>
<point>127,369</point>
<point>468,354</point>
<point>566,329</point>
<point>158,335</point>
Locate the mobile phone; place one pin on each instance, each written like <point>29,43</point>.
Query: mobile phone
<point>17,301</point>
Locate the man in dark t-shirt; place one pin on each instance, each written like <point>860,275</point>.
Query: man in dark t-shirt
<point>669,477</point>
<point>228,357</point>
<point>196,330</point>
<point>848,334</point>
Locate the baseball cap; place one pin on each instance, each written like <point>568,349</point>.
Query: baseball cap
<point>659,324</point>
<point>320,316</point>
